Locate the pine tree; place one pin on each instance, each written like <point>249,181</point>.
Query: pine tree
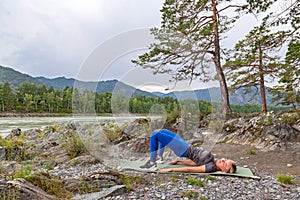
<point>189,42</point>
<point>288,92</point>
<point>254,60</point>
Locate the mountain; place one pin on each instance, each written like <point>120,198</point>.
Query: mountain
<point>15,79</point>
<point>99,87</point>
<point>214,94</point>
<point>57,83</point>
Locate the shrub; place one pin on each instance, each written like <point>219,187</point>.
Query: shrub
<point>290,119</point>
<point>211,178</point>
<point>190,194</point>
<point>74,145</point>
<point>285,179</point>
<point>194,181</point>
<point>251,152</point>
<point>172,117</point>
<point>129,180</point>
<point>23,172</point>
<point>174,178</point>
<point>16,149</point>
<point>51,185</point>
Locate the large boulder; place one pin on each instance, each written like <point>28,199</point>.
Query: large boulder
<point>265,131</point>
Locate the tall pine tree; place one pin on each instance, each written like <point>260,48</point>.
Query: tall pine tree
<point>254,60</point>
<point>188,41</point>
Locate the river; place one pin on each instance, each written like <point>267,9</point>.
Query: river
<point>25,123</point>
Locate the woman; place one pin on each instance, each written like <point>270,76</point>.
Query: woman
<point>201,160</point>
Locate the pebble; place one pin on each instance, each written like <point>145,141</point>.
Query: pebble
<point>223,187</point>
<point>159,186</point>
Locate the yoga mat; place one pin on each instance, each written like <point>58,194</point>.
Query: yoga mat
<point>134,166</point>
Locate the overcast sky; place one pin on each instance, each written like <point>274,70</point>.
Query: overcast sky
<point>54,38</point>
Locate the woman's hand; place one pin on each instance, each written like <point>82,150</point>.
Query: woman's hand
<point>165,170</point>
<point>174,162</point>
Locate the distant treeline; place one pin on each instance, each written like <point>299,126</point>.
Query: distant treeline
<point>32,98</point>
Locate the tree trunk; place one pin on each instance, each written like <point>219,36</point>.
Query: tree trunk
<point>262,84</point>
<point>297,107</point>
<point>217,60</point>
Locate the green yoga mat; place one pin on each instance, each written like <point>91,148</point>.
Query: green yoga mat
<point>134,166</point>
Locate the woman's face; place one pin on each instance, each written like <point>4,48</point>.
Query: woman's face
<point>224,164</point>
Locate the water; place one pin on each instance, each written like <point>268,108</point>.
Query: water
<point>25,123</point>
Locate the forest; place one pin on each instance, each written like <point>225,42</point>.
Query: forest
<point>31,98</point>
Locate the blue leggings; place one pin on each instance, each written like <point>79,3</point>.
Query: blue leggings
<point>158,140</point>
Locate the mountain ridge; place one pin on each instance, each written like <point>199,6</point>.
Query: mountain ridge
<point>15,79</point>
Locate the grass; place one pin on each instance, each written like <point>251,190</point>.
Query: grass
<point>3,171</point>
<point>130,181</point>
<point>194,181</point>
<point>23,172</point>
<point>74,145</point>
<point>291,119</point>
<point>9,194</point>
<point>251,152</point>
<point>285,179</point>
<point>174,179</point>
<point>190,194</point>
<point>50,185</point>
<point>16,149</point>
<point>211,178</point>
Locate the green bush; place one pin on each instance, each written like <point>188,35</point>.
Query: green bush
<point>23,172</point>
<point>190,194</point>
<point>285,179</point>
<point>194,181</point>
<point>51,185</point>
<point>74,145</point>
<point>251,152</point>
<point>16,148</point>
<point>290,119</point>
<point>174,178</point>
<point>211,178</point>
<point>129,180</point>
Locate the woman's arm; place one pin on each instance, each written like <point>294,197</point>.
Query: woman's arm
<point>198,169</point>
<point>186,161</point>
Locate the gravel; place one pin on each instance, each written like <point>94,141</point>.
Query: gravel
<point>220,187</point>
<point>174,186</point>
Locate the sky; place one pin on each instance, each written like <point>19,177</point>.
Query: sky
<point>90,40</point>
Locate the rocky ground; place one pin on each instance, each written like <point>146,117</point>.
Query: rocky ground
<point>77,161</point>
<point>160,186</point>
<point>273,162</point>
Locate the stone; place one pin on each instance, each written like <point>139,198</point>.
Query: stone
<point>256,131</point>
<point>22,189</point>
<point>2,153</point>
<point>114,190</point>
<point>14,133</point>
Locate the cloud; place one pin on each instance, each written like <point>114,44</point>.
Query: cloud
<point>52,38</point>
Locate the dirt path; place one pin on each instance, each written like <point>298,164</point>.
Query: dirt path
<point>274,162</point>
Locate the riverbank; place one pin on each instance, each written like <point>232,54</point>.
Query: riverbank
<point>19,114</point>
<point>15,114</point>
<point>77,160</point>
